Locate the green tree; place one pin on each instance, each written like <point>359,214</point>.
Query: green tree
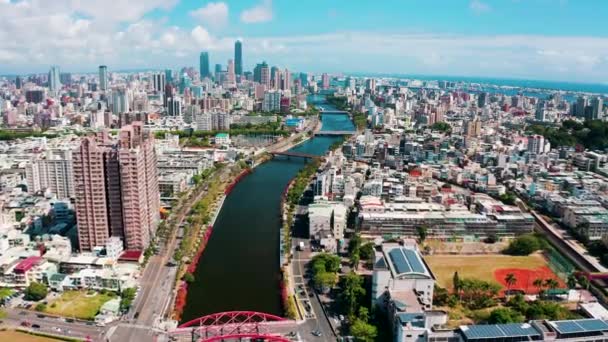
<point>188,278</point>
<point>40,307</point>
<point>524,245</point>
<point>456,282</point>
<point>510,280</point>
<point>126,298</point>
<point>422,233</point>
<point>36,291</point>
<point>571,281</point>
<point>538,283</point>
<point>505,315</point>
<point>325,262</point>
<point>351,291</point>
<point>325,280</point>
<point>363,331</point>
<point>368,252</point>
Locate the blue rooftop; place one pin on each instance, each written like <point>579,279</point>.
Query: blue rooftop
<point>577,326</point>
<point>492,331</point>
<point>406,260</point>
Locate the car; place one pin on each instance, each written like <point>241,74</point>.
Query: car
<point>40,316</point>
<point>69,320</point>
<point>36,326</point>
<point>23,313</point>
<point>89,323</point>
<point>26,324</point>
<point>316,333</point>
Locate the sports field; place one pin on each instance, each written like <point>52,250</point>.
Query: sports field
<point>78,304</point>
<point>493,267</point>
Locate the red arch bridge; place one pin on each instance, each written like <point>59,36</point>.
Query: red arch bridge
<point>236,326</point>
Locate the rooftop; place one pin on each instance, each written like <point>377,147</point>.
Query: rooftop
<point>482,331</point>
<point>405,261</point>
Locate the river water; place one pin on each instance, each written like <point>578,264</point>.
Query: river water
<point>239,269</point>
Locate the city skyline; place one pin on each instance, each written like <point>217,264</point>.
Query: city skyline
<point>459,38</point>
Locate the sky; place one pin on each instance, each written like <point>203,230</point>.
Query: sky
<point>564,40</point>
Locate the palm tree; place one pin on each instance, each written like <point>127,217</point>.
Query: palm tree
<point>510,279</point>
<point>551,283</point>
<point>538,283</point>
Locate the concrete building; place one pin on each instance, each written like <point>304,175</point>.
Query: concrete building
<point>116,187</point>
<point>53,171</point>
<point>272,101</point>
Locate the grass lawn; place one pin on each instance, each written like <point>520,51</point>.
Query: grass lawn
<point>5,292</point>
<point>478,266</point>
<point>15,336</point>
<point>78,304</point>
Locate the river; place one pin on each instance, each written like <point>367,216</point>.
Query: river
<point>239,269</point>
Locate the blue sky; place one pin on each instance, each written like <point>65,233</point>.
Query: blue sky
<point>533,39</point>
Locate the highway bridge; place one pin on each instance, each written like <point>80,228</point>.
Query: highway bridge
<point>235,326</point>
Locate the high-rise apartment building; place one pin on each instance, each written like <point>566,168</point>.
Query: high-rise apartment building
<point>116,186</point>
<point>238,57</point>
<point>230,75</point>
<point>54,80</point>
<point>204,65</point>
<point>51,171</point>
<point>325,81</point>
<point>103,77</point>
<point>597,110</point>
<point>286,80</point>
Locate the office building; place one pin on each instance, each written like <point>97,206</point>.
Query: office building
<point>482,99</point>
<point>204,65</point>
<point>168,76</point>
<point>536,144</point>
<point>18,82</point>
<point>34,96</point>
<point>304,79</point>
<point>54,80</point>
<point>116,187</point>
<point>238,58</point>
<point>272,101</point>
<point>174,106</point>
<point>120,100</point>
<point>581,104</point>
<point>261,74</point>
<point>158,81</point>
<point>540,115</point>
<point>597,110</point>
<point>103,77</point>
<point>286,80</point>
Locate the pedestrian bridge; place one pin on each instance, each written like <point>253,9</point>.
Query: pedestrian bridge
<point>335,133</point>
<point>295,154</point>
<point>235,326</point>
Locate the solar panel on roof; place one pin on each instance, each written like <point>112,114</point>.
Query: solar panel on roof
<point>568,327</point>
<point>474,332</point>
<point>412,258</point>
<point>518,329</point>
<point>592,324</point>
<point>399,261</point>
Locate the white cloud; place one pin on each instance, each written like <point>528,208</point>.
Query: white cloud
<point>214,14</point>
<point>260,13</point>
<point>58,32</point>
<point>479,7</point>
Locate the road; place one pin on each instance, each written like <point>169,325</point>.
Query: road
<point>54,325</point>
<point>315,317</point>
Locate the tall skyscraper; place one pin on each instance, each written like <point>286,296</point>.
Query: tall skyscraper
<point>54,80</point>
<point>286,80</point>
<point>103,77</point>
<point>238,58</point>
<point>18,82</point>
<point>304,79</point>
<point>204,65</point>
<point>539,115</point>
<point>231,75</point>
<point>158,81</point>
<point>265,75</point>
<point>325,81</point>
<point>168,76</point>
<point>120,100</point>
<point>581,103</point>
<point>116,187</point>
<point>597,110</point>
